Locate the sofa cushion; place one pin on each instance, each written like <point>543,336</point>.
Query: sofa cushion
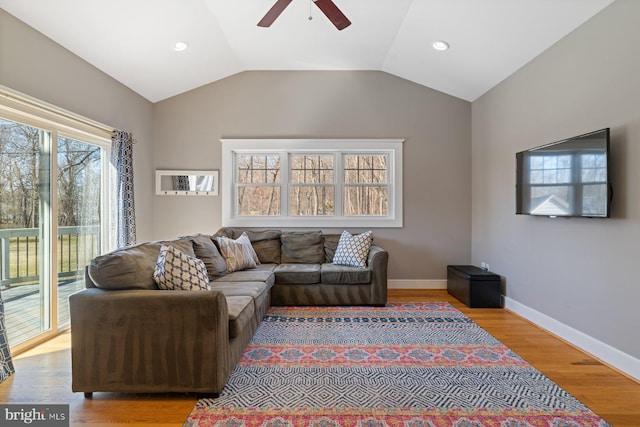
<point>259,291</point>
<point>266,244</point>
<point>304,247</point>
<point>252,275</point>
<point>207,251</point>
<point>344,275</point>
<point>237,253</point>
<point>353,250</point>
<point>234,289</point>
<point>241,310</point>
<point>297,273</point>
<point>330,246</point>
<point>131,267</point>
<point>175,270</point>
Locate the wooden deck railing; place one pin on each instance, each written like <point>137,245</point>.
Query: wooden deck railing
<point>20,258</point>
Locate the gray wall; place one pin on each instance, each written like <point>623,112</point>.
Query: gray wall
<point>331,104</point>
<point>581,272</point>
<point>36,66</point>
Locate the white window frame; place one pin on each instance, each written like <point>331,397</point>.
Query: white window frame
<point>57,122</point>
<point>22,108</point>
<point>391,147</point>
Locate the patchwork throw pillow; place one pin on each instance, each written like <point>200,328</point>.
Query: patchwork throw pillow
<point>177,271</point>
<point>353,250</point>
<point>238,253</point>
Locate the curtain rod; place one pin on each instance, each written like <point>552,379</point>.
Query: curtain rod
<point>34,103</point>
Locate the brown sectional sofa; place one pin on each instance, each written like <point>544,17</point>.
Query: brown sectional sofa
<point>130,336</point>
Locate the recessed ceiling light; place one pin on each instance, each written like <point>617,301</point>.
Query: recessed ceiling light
<point>180,46</point>
<point>440,45</point>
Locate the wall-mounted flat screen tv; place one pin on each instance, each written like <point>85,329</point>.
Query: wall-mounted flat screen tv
<point>568,178</point>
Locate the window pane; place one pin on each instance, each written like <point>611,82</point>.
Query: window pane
<point>564,176</point>
<point>552,200</point>
<point>380,162</point>
<point>311,169</point>
<point>350,176</point>
<point>326,176</point>
<point>365,169</point>
<point>312,200</point>
<point>364,176</point>
<point>297,176</point>
<point>593,198</point>
<point>536,162</point>
<point>593,168</point>
<point>79,200</point>
<point>24,200</point>
<point>258,200</point>
<point>258,168</point>
<point>380,176</point>
<point>244,176</point>
<point>550,162</point>
<point>366,200</point>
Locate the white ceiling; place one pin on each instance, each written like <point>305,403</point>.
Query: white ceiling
<point>131,40</point>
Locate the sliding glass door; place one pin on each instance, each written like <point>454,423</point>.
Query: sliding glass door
<point>25,229</point>
<point>79,198</point>
<point>52,187</point>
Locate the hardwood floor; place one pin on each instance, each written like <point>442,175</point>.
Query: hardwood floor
<point>43,375</point>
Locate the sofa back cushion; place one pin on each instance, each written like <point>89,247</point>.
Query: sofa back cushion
<point>305,247</point>
<point>131,267</point>
<point>330,245</point>
<point>266,243</point>
<point>207,251</point>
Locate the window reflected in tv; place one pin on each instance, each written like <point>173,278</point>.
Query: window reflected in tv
<point>565,178</point>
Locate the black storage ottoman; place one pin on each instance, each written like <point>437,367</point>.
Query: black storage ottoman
<point>475,287</point>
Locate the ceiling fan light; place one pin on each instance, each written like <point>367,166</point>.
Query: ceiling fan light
<point>440,45</point>
<point>180,46</point>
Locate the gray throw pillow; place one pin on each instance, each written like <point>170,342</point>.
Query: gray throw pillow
<point>206,250</point>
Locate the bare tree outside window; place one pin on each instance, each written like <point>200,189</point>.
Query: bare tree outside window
<point>312,182</point>
<point>366,185</point>
<point>311,186</point>
<point>312,189</point>
<point>19,181</point>
<point>258,189</point>
<point>79,183</point>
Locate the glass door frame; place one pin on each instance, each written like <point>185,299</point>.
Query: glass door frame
<point>56,123</point>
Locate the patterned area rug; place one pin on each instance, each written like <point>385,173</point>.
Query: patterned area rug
<point>404,365</point>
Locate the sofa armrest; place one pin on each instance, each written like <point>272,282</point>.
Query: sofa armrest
<point>377,262</point>
<point>149,341</point>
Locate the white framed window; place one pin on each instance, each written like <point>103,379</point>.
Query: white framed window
<point>312,182</point>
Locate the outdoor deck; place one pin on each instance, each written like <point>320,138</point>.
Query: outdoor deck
<point>22,308</point>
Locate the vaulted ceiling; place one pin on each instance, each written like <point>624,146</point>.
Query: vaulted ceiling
<point>133,40</point>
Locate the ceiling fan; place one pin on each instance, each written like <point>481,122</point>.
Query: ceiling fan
<point>327,7</point>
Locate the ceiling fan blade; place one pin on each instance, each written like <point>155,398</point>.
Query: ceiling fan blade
<point>273,13</point>
<point>334,14</point>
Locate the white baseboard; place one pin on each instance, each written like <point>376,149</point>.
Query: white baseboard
<point>416,284</point>
<point>607,354</point>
